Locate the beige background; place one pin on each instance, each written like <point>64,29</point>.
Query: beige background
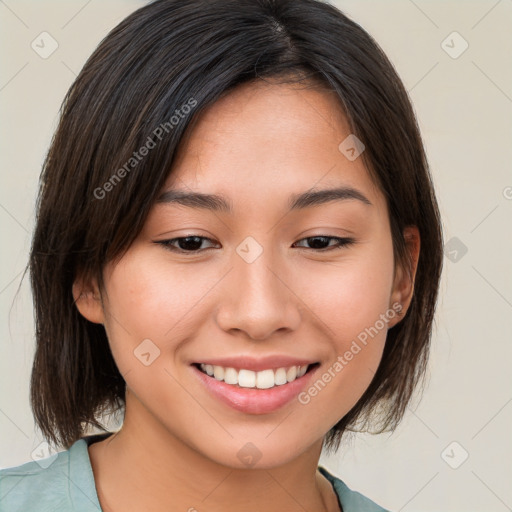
<point>464,106</point>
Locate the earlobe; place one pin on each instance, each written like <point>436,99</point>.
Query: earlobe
<point>403,286</point>
<point>88,300</point>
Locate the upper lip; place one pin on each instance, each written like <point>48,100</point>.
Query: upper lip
<point>259,364</point>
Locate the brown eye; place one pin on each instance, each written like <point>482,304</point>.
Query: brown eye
<point>321,243</point>
<point>192,244</point>
<point>186,244</point>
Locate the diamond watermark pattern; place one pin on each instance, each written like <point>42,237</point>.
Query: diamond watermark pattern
<point>249,454</point>
<point>44,45</point>
<point>146,352</point>
<point>454,45</point>
<point>44,455</point>
<point>249,250</point>
<point>455,249</point>
<point>351,147</point>
<point>454,455</point>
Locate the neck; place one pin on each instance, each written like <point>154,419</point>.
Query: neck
<point>145,467</point>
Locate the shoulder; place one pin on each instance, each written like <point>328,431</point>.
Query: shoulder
<point>351,501</point>
<point>35,485</point>
<point>47,484</point>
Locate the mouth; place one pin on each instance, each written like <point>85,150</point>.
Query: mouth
<point>255,392</point>
<point>248,379</point>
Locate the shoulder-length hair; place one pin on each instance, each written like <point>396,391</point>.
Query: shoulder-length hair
<point>146,83</point>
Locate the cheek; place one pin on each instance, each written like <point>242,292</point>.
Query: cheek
<point>351,294</point>
<point>352,300</point>
<point>153,299</point>
<point>145,302</point>
<point>149,295</point>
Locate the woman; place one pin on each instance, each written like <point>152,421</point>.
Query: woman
<point>238,246</point>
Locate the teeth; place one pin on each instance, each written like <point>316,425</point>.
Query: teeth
<point>230,376</point>
<point>247,379</point>
<point>291,374</point>
<point>264,379</point>
<point>280,377</point>
<point>218,372</point>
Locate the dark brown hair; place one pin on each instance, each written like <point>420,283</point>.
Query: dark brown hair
<point>164,56</point>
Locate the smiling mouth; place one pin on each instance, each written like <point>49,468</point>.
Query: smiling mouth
<point>265,379</point>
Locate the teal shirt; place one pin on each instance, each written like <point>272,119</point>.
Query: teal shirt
<point>67,484</point>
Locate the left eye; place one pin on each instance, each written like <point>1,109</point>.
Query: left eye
<point>191,244</point>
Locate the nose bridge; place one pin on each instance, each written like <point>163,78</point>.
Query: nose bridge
<point>259,301</point>
<point>258,283</point>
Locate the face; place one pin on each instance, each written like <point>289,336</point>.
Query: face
<point>314,283</point>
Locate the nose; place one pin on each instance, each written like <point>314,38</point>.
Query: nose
<point>258,299</point>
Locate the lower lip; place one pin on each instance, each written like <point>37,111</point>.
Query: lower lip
<point>254,400</point>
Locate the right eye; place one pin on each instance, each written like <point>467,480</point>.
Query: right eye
<point>187,244</point>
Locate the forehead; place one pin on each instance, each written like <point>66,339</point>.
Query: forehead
<point>266,141</point>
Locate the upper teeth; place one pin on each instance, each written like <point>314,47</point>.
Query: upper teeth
<point>248,379</point>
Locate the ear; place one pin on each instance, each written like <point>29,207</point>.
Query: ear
<point>403,286</point>
<point>88,299</point>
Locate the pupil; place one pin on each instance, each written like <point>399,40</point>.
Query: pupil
<point>316,245</point>
<point>196,244</point>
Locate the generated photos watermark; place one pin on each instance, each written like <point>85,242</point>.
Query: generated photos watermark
<point>354,349</point>
<point>158,133</point>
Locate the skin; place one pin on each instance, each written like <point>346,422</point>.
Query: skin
<point>177,449</point>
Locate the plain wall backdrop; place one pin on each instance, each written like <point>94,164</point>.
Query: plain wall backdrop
<point>453,451</point>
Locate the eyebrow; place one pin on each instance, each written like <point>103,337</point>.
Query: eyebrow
<point>218,203</point>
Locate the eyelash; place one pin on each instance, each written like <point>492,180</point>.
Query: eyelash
<point>342,243</point>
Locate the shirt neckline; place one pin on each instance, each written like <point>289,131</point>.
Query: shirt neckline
<point>82,482</point>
